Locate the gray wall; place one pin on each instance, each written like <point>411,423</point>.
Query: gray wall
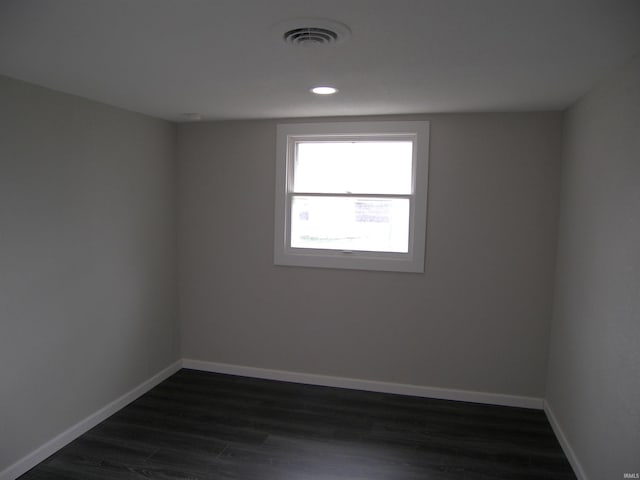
<point>477,320</point>
<point>87,262</point>
<point>594,366</point>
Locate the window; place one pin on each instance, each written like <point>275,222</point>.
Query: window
<point>352,195</point>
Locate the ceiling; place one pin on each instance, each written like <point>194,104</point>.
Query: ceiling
<point>226,59</point>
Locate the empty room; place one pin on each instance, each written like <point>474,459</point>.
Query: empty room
<point>338,240</point>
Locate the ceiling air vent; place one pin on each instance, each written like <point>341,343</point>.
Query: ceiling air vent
<point>310,35</point>
<point>313,32</point>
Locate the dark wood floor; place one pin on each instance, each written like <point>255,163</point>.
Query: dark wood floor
<point>198,425</point>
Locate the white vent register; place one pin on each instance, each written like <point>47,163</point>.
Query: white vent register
<point>305,32</point>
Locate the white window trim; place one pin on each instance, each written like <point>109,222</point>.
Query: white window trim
<point>413,261</point>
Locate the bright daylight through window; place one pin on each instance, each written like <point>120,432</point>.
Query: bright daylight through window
<point>352,195</point>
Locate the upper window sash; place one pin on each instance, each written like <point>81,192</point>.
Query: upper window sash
<point>371,166</point>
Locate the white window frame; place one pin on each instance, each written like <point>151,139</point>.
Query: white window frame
<point>289,134</point>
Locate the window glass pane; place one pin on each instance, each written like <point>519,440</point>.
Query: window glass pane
<point>353,167</point>
<point>350,223</point>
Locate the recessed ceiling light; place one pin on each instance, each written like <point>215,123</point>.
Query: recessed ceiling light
<point>324,90</point>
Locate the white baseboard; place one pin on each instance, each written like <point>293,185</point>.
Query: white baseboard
<point>32,459</point>
<point>564,443</point>
<point>368,385</point>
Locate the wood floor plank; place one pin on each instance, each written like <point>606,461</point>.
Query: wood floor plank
<point>206,426</point>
